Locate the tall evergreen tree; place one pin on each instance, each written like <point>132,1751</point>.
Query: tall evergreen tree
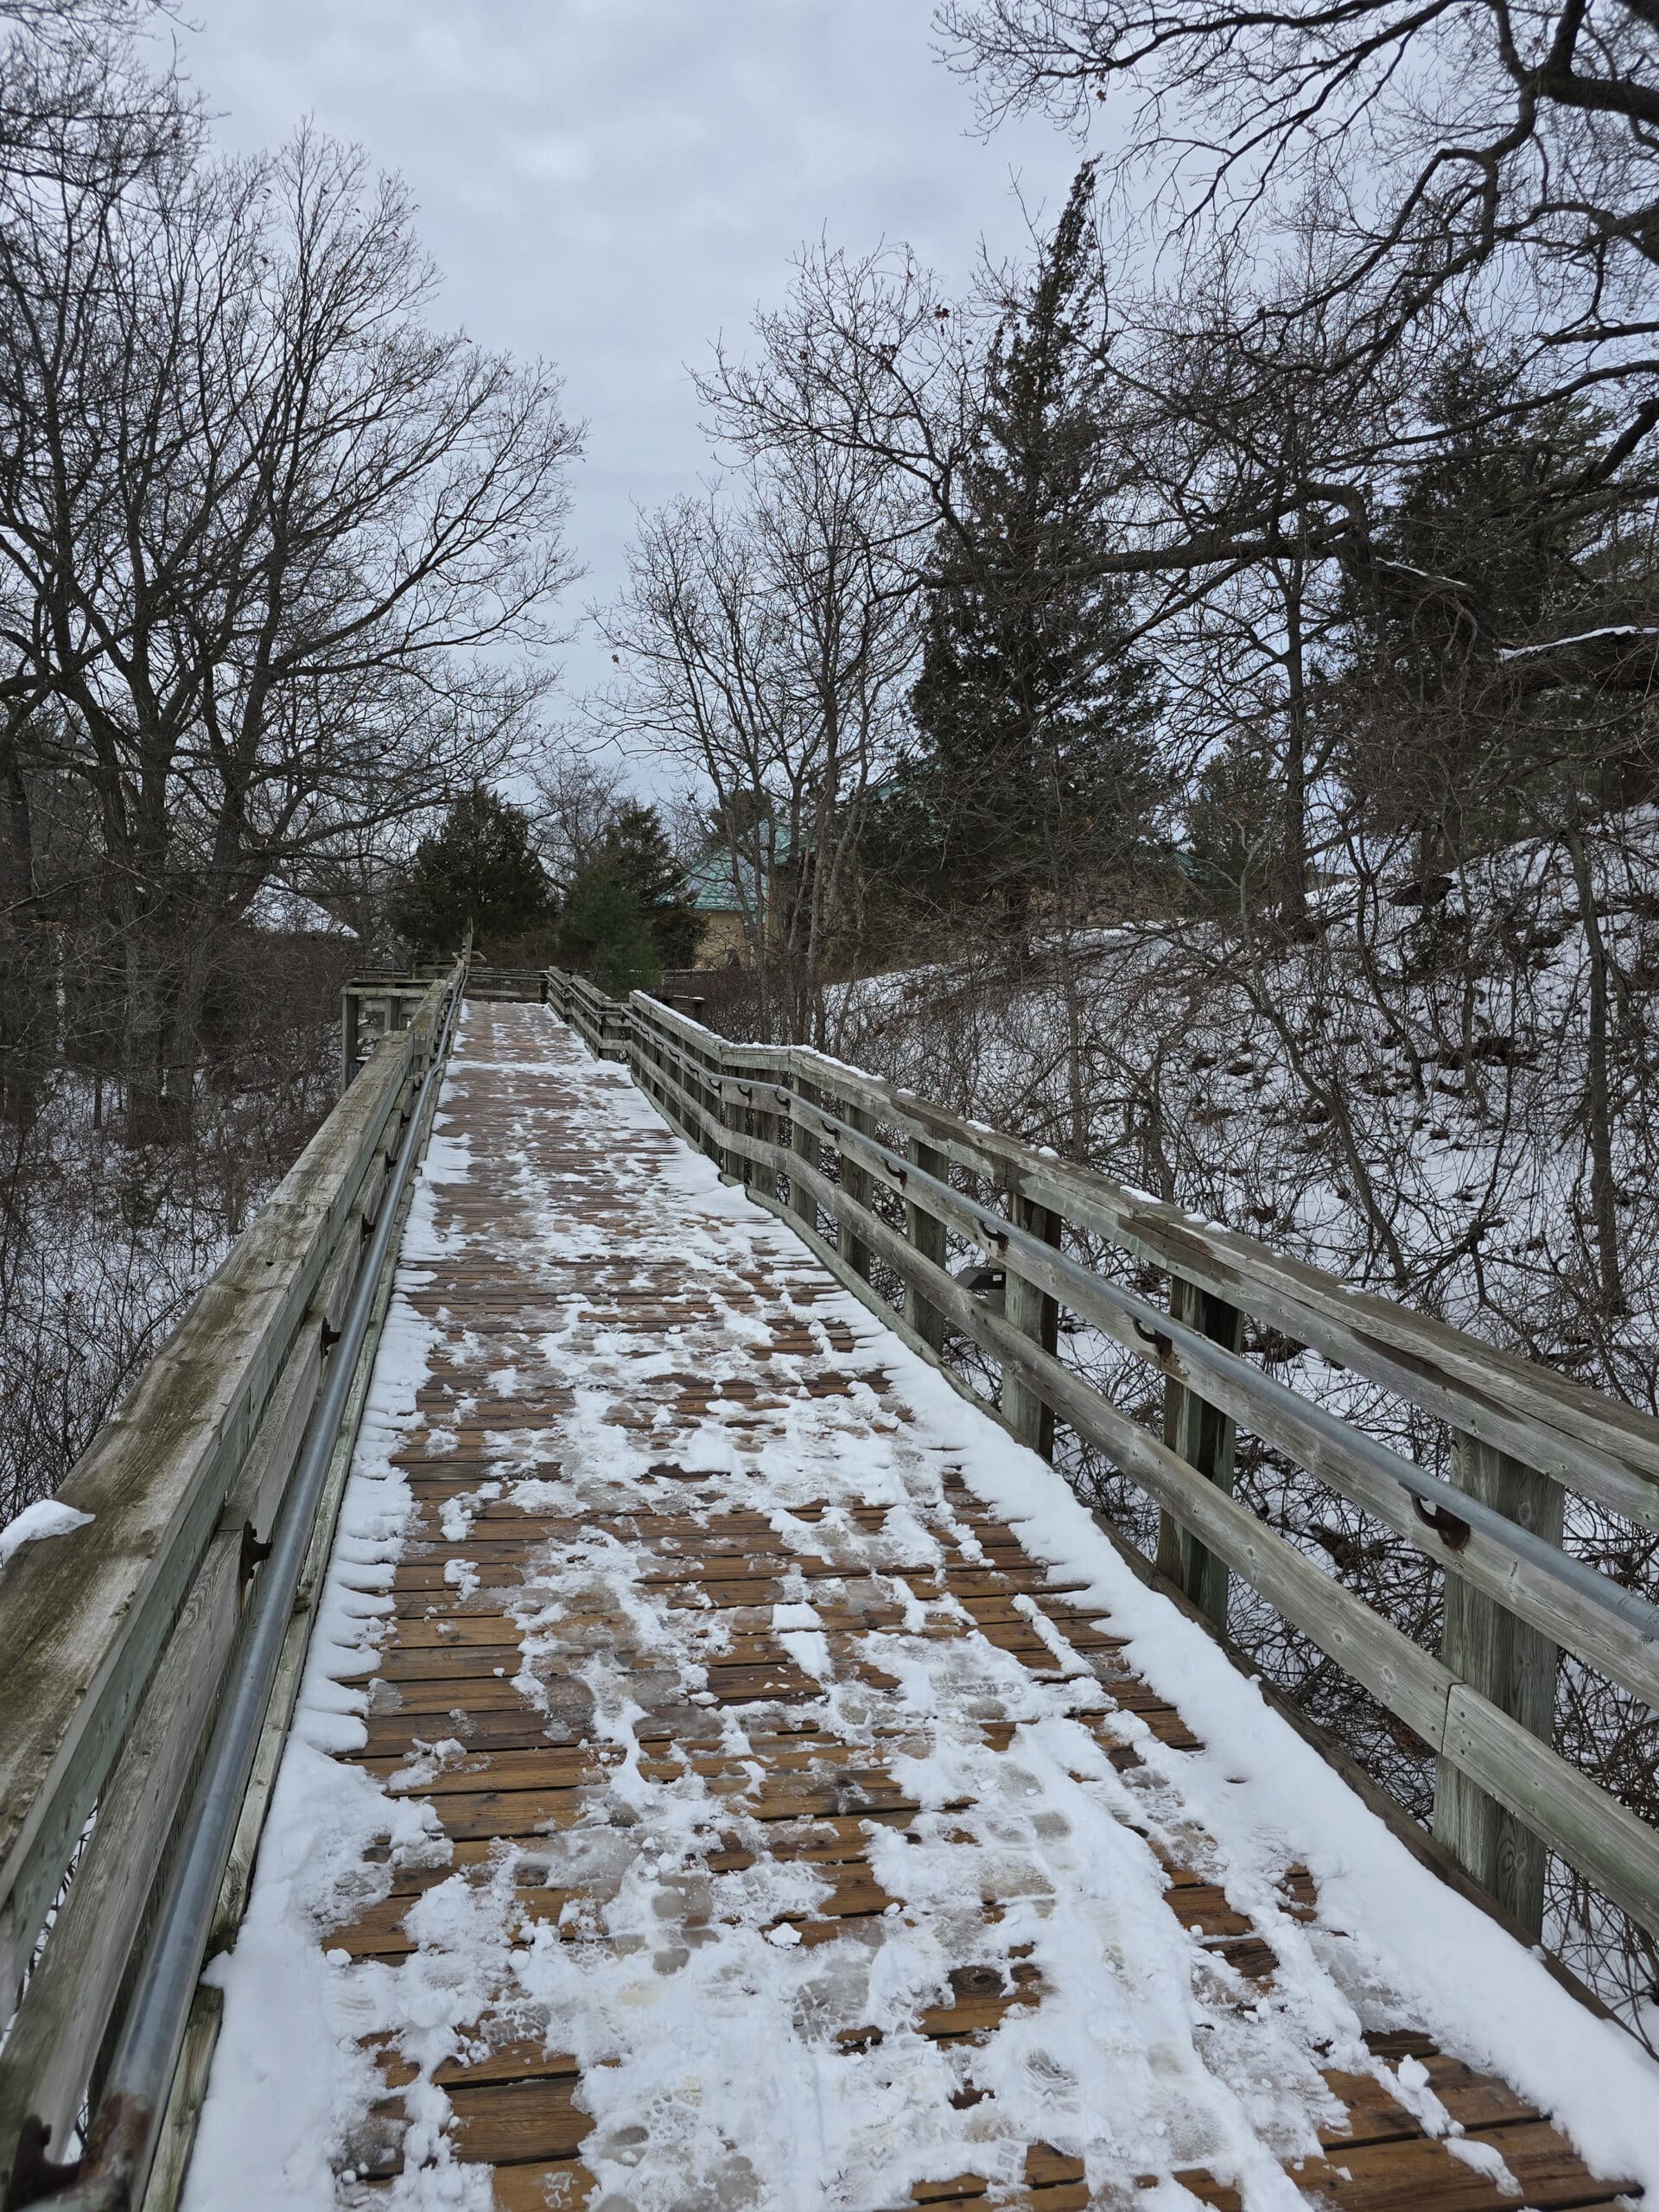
<point>1503,625</point>
<point>628,915</point>
<point>604,933</point>
<point>478,866</point>
<point>1037,722</point>
<point>637,846</point>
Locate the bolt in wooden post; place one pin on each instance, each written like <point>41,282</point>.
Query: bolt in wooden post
<point>927,1235</point>
<point>858,1183</point>
<point>1513,1664</point>
<point>1204,1436</point>
<point>1037,1316</point>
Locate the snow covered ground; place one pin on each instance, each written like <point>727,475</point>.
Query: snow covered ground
<point>1410,1094</point>
<point>704,2023</point>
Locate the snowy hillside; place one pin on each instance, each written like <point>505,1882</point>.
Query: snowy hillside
<point>1439,1091</point>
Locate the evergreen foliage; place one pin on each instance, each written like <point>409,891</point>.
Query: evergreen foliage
<point>478,866</point>
<point>628,915</point>
<point>1495,538</point>
<point>1037,758</point>
<point>637,846</point>
<point>604,933</point>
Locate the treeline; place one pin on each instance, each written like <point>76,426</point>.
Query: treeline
<point>588,879</point>
<point>277,555</point>
<point>1290,514</point>
<point>274,554</point>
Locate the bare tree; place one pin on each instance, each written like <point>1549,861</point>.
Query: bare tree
<point>263,521</point>
<point>1462,158</point>
<point>581,793</point>
<point>766,640</point>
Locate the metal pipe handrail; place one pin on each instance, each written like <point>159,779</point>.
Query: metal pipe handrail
<point>122,2139</point>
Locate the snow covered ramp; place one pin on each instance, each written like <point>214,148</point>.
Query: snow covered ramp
<point>731,1773</point>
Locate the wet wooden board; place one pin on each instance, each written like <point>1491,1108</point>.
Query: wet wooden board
<point>478,1708</point>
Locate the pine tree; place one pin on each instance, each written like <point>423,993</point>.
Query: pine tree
<point>1039,762</point>
<point>1494,540</point>
<point>605,934</point>
<point>637,846</point>
<point>478,866</point>
<point>628,915</point>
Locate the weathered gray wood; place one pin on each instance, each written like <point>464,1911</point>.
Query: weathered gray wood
<point>190,2080</point>
<point>924,1232</point>
<point>731,1116</point>
<point>1336,1455</point>
<point>1515,1666</point>
<point>188,2095</point>
<point>1615,1850</point>
<point>1036,1314</point>
<point>49,2055</point>
<point>856,1178</point>
<point>347,1038</point>
<point>1594,1444</point>
<point>803,1143</point>
<point>1204,1436</point>
<point>83,1617</point>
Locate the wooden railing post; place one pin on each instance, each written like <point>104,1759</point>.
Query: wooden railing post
<point>1204,1436</point>
<point>927,1235</point>
<point>763,1127</point>
<point>859,1185</point>
<point>735,1116</point>
<point>1037,1316</point>
<point>801,1141</point>
<point>347,1038</point>
<point>707,1097</point>
<point>1513,1664</point>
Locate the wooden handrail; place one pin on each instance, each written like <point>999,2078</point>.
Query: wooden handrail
<point>116,1638</point>
<point>859,1170</point>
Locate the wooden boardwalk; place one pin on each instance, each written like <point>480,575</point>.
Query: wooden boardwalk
<point>645,1681</point>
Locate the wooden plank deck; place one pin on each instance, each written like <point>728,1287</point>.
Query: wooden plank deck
<point>579,1708</point>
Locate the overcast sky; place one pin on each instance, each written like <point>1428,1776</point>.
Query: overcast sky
<point>611,183</point>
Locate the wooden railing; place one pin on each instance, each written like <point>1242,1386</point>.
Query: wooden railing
<point>880,1184</point>
<point>117,1639</point>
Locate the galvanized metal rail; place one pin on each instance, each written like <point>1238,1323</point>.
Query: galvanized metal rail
<point>877,1182</point>
<point>141,1652</point>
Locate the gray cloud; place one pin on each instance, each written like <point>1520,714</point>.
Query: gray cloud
<point>611,182</point>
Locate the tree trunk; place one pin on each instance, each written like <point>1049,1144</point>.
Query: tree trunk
<point>1598,1101</point>
<point>24,998</point>
<point>1292,896</point>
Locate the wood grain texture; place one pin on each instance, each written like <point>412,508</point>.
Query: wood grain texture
<point>84,1619</point>
<point>1618,1851</point>
<point>529,1770</point>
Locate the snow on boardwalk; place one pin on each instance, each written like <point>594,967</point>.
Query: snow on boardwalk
<point>730,1773</point>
